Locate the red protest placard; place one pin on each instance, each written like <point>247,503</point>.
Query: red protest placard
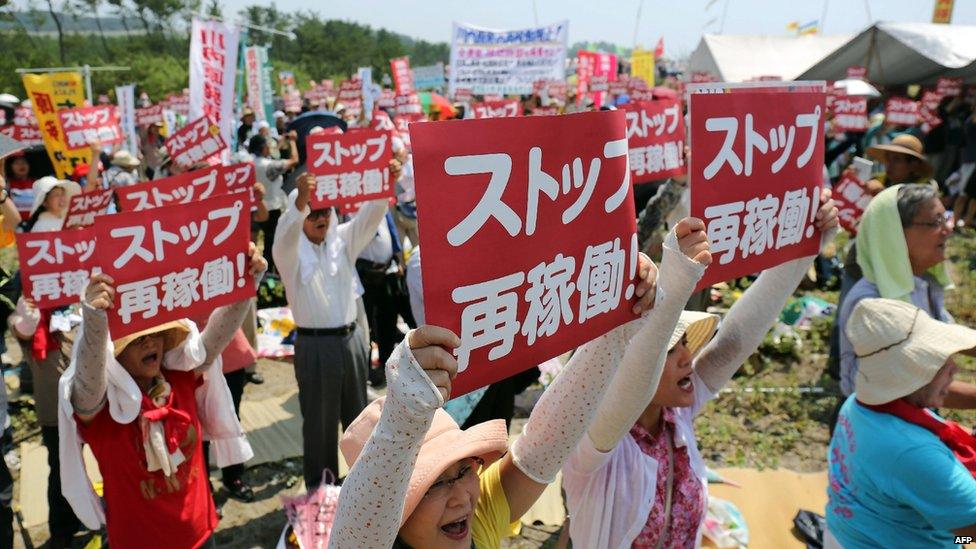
<point>386,100</point>
<point>149,115</point>
<point>408,104</point>
<point>949,87</point>
<point>619,87</point>
<point>756,173</point>
<point>351,90</point>
<point>930,100</point>
<point>852,199</point>
<point>463,95</point>
<point>496,109</point>
<point>55,266</point>
<point>184,262</point>
<point>180,104</point>
<point>545,111</point>
<point>381,121</point>
<point>857,72</point>
<point>196,142</point>
<point>558,90</point>
<point>930,120</point>
<point>187,187</point>
<point>850,114</point>
<point>349,167</point>
<point>85,206</point>
<point>901,111</point>
<point>656,133</point>
<point>402,76</point>
<point>641,95</point>
<point>86,125</point>
<point>27,135</point>
<point>514,189</point>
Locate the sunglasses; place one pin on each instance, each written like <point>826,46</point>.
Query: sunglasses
<point>319,214</point>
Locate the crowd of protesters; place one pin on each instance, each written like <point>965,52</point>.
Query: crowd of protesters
<point>426,471</point>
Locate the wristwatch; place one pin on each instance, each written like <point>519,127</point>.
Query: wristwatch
<point>4,195</point>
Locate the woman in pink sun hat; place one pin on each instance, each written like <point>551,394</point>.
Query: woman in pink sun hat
<point>417,480</point>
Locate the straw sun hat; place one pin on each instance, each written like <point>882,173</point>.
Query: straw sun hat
<point>174,334</point>
<point>444,445</point>
<point>697,326</point>
<point>904,143</point>
<point>900,348</point>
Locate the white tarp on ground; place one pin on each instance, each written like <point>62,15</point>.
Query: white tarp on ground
<point>904,53</point>
<point>736,58</point>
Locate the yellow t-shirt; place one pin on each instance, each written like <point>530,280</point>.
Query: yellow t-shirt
<point>491,525</point>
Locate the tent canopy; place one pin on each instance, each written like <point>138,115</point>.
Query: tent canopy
<point>903,53</point>
<point>736,58</point>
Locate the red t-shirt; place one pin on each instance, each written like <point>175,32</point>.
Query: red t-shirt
<point>22,193</point>
<point>146,509</point>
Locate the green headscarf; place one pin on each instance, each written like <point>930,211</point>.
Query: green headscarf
<point>882,252</point>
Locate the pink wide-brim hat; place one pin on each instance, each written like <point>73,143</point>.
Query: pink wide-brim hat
<point>444,445</point>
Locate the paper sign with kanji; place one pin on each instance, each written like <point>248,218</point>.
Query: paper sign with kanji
<point>196,142</point>
<point>850,114</point>
<point>55,266</point>
<point>187,187</point>
<point>901,111</point>
<point>183,262</point>
<point>86,125</point>
<point>656,133</point>
<point>496,109</point>
<point>756,173</point>
<point>852,198</point>
<point>152,114</point>
<point>350,167</point>
<point>528,232</point>
<point>84,207</point>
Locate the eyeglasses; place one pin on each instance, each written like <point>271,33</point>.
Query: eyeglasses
<point>944,221</point>
<point>468,470</point>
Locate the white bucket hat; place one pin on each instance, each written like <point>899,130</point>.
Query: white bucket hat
<point>47,184</point>
<point>697,326</point>
<point>124,159</point>
<point>900,348</point>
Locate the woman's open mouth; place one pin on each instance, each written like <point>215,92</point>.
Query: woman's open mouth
<point>685,384</point>
<point>457,530</point>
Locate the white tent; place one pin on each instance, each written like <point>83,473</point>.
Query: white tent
<point>736,58</point>
<point>904,53</point>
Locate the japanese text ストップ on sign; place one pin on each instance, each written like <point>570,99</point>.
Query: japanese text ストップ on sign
<point>187,187</point>
<point>496,109</point>
<point>850,114</point>
<point>90,125</point>
<point>901,111</point>
<point>517,188</point>
<point>149,115</point>
<point>349,167</point>
<point>756,172</point>
<point>195,142</point>
<point>84,207</point>
<point>184,262</point>
<point>55,266</point>
<point>656,133</point>
<point>852,199</point>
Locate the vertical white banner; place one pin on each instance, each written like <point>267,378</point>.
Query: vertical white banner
<point>126,96</point>
<point>213,68</point>
<point>253,81</point>
<point>366,77</point>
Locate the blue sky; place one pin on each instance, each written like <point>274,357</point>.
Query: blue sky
<point>681,22</point>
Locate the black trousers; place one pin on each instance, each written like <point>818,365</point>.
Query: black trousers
<point>268,229</point>
<point>6,511</point>
<point>61,519</point>
<point>380,301</point>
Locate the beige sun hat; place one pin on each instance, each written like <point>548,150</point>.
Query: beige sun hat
<point>444,445</point>
<point>174,333</point>
<point>904,143</point>
<point>697,326</point>
<point>124,159</point>
<point>900,348</point>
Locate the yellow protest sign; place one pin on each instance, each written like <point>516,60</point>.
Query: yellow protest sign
<point>50,93</point>
<point>642,65</point>
<point>942,12</point>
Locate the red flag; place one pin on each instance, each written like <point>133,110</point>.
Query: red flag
<point>659,48</point>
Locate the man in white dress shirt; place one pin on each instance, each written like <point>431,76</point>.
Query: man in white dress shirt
<point>316,258</point>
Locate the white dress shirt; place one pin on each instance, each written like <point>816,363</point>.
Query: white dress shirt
<point>320,278</point>
<point>380,248</point>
